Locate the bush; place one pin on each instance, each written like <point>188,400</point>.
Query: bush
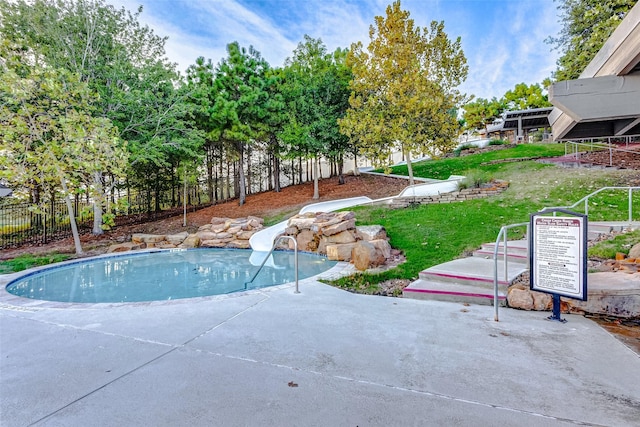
<point>458,150</point>
<point>497,142</point>
<point>474,179</point>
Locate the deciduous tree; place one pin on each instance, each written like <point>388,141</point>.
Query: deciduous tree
<point>404,89</point>
<point>49,138</point>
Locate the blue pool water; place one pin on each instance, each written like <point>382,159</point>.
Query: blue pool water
<point>164,275</point>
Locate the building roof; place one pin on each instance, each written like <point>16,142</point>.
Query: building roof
<point>603,101</point>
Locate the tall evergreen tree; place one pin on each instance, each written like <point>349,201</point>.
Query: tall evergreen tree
<point>241,104</point>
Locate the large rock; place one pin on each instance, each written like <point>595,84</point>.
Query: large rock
<point>541,301</point>
<point>193,241</point>
<point>307,241</point>
<point>383,247</point>
<point>176,239</point>
<point>346,236</point>
<point>239,244</point>
<point>206,235</point>
<point>365,255</point>
<point>339,227</point>
<point>245,235</point>
<point>302,221</point>
<point>214,243</point>
<point>340,252</point>
<point>371,232</point>
<point>614,294</point>
<point>634,252</point>
<point>217,221</point>
<point>147,238</point>
<point>519,297</point>
<point>126,246</point>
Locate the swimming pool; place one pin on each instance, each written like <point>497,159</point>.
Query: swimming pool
<point>163,275</point>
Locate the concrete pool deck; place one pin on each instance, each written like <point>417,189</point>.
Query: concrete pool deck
<point>324,357</point>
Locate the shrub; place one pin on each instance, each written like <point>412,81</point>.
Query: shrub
<point>497,142</point>
<point>474,178</point>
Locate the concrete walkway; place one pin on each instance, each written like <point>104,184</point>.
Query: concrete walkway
<point>323,357</point>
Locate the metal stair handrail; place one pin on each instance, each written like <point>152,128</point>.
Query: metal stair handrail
<point>585,200</point>
<point>504,230</point>
<point>503,235</point>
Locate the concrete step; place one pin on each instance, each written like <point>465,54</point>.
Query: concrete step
<point>452,292</point>
<point>472,271</point>
<point>517,251</point>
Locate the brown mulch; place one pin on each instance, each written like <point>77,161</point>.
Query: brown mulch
<point>286,203</point>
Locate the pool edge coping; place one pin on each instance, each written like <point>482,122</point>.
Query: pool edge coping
<point>10,301</point>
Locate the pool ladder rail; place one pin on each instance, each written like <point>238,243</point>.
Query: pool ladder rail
<point>275,242</point>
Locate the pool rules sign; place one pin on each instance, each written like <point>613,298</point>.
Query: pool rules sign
<point>558,256</point>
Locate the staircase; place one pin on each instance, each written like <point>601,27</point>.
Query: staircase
<point>470,280</point>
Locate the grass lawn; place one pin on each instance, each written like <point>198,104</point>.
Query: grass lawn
<point>433,234</point>
<point>26,261</point>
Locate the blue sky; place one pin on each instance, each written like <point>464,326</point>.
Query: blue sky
<point>503,40</point>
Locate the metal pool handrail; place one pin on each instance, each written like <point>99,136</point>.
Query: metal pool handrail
<point>295,263</point>
<point>502,234</point>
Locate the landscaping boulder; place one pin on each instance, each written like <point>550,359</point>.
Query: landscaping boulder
<point>634,252</point>
<point>520,297</point>
<point>147,238</point>
<point>365,255</point>
<point>126,246</point>
<point>193,241</point>
<point>340,252</point>
<point>176,239</point>
<point>371,232</point>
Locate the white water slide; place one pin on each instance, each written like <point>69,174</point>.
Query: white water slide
<point>262,241</point>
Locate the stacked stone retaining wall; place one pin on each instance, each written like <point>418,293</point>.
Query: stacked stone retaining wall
<point>495,187</point>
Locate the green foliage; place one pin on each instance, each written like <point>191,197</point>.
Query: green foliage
<point>48,137</point>
<point>621,243</point>
<point>24,262</point>
<point>586,25</point>
<point>497,142</point>
<point>242,103</point>
<point>474,179</point>
<point>432,234</point>
<point>132,84</point>
<point>315,87</point>
<point>404,89</point>
<point>442,169</point>
<point>524,97</point>
<point>481,113</point>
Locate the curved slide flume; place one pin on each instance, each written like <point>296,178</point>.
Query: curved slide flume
<point>262,241</point>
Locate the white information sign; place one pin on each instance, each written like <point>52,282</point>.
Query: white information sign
<point>558,256</point>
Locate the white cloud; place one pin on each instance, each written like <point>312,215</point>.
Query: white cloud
<point>503,40</point>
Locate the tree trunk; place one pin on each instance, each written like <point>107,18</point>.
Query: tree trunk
<point>72,217</point>
<point>356,171</point>
<point>316,189</point>
<point>409,168</point>
<point>249,174</point>
<point>242,190</point>
<point>210,173</point>
<point>341,169</point>
<point>97,205</point>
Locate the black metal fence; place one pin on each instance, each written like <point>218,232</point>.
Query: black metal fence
<point>23,223</point>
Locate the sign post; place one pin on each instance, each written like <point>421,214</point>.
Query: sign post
<point>558,256</point>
